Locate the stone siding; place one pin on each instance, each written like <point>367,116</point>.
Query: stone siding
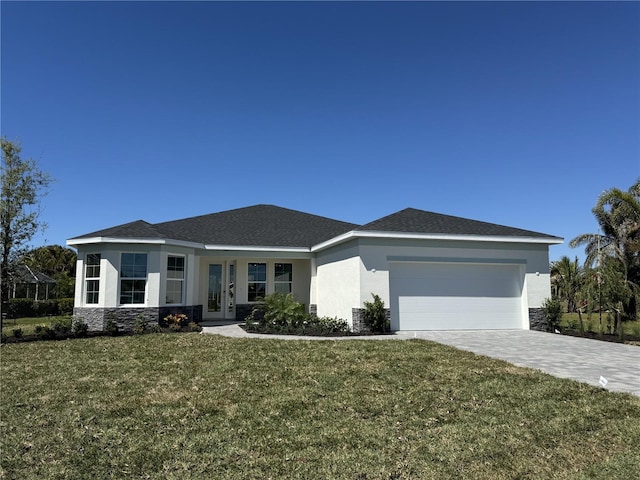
<point>125,317</point>
<point>243,310</point>
<point>313,309</point>
<point>537,320</point>
<point>358,323</point>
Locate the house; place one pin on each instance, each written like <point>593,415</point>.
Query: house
<point>28,283</point>
<point>433,271</point>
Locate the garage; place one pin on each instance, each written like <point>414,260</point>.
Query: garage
<point>456,295</point>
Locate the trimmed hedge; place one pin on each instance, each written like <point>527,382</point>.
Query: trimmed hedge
<point>27,307</point>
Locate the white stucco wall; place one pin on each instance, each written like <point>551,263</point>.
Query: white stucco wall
<point>347,274</point>
<point>337,280</point>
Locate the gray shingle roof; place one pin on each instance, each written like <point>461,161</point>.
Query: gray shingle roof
<point>411,220</point>
<point>272,226</point>
<point>259,225</point>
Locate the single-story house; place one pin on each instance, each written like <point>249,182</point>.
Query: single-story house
<point>433,271</point>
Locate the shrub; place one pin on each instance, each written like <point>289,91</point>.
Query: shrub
<point>44,333</point>
<point>3,338</point>
<point>62,327</point>
<point>20,307</point>
<point>282,313</point>
<point>17,332</point>
<point>375,315</point>
<point>175,321</point>
<point>139,325</point>
<point>111,327</point>
<point>552,309</point>
<point>155,328</point>
<point>42,308</point>
<point>194,327</point>
<point>79,328</point>
<point>65,306</point>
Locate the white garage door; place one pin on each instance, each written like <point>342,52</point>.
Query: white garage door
<point>455,296</point>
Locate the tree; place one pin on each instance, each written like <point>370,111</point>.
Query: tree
<point>23,186</point>
<point>618,214</point>
<point>57,262</point>
<point>566,275</point>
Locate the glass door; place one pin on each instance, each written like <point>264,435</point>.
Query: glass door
<point>214,295</point>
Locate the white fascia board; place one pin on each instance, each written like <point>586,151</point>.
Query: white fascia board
<point>334,241</point>
<point>429,236</point>
<point>148,241</point>
<point>251,248</point>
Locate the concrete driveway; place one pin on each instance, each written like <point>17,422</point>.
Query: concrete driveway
<point>580,359</point>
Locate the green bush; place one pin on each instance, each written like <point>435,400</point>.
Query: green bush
<point>194,327</point>
<point>79,327</point>
<point>139,325</point>
<point>155,328</point>
<point>17,332</point>
<point>375,315</point>
<point>552,309</point>
<point>20,307</point>
<point>281,313</point>
<point>111,327</point>
<point>44,333</point>
<point>43,308</point>
<point>65,306</point>
<point>62,326</point>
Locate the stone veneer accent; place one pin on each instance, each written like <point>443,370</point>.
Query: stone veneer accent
<point>358,324</point>
<point>537,320</point>
<point>125,317</point>
<point>313,309</point>
<point>243,310</point>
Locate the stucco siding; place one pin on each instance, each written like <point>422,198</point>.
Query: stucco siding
<point>338,288</point>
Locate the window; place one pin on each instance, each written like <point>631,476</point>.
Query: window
<point>175,279</point>
<point>133,277</point>
<point>283,274</point>
<point>257,285</point>
<point>92,277</point>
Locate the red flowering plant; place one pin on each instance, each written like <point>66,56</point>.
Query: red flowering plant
<point>176,321</point>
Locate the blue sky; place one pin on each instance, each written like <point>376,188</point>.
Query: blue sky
<point>517,113</point>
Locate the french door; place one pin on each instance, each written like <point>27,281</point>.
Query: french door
<point>221,290</point>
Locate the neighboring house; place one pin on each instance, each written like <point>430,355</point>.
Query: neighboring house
<point>28,283</point>
<point>433,271</point>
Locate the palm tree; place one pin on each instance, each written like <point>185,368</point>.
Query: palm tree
<point>618,214</point>
<point>566,275</point>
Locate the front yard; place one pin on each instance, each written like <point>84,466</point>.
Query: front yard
<point>203,406</point>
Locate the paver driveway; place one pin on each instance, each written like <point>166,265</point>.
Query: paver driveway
<point>563,356</point>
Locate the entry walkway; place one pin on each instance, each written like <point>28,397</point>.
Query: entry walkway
<point>580,359</point>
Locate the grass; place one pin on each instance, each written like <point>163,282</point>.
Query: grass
<point>592,324</point>
<point>201,406</point>
<point>27,324</point>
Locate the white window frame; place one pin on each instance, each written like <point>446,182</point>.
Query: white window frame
<point>92,276</point>
<point>277,283</point>
<point>179,280</point>
<point>134,279</point>
<point>251,281</point>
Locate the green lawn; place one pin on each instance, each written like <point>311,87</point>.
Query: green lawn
<point>175,406</point>
<point>26,324</point>
<point>592,324</point>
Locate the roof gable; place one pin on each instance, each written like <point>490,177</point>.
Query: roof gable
<point>411,220</point>
<point>136,229</point>
<point>258,225</point>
